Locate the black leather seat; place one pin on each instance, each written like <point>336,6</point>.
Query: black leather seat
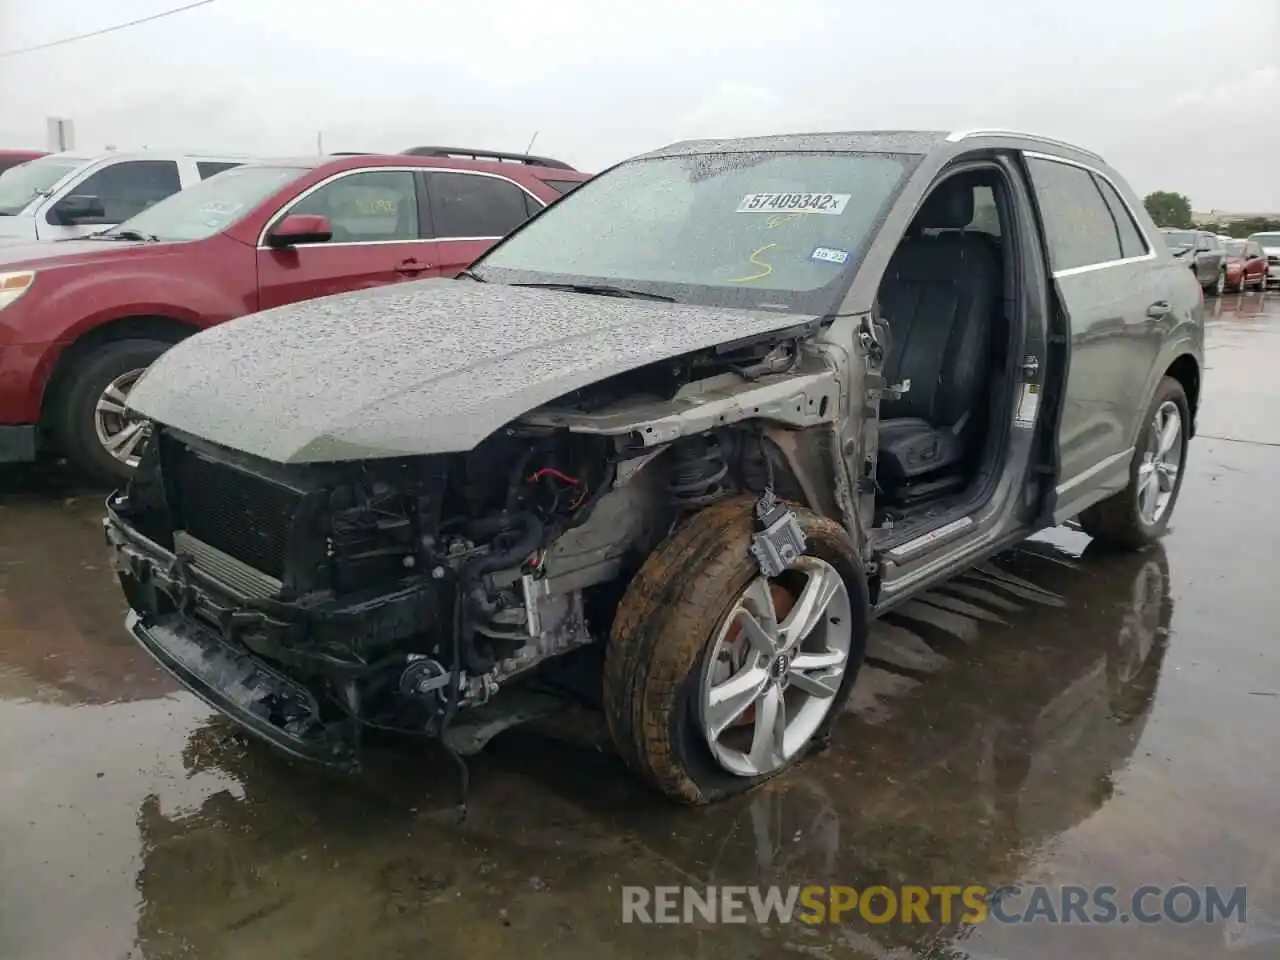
<point>939,297</point>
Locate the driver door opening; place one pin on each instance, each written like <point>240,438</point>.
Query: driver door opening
<point>949,299</point>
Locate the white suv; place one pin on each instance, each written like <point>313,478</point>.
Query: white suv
<point>67,195</point>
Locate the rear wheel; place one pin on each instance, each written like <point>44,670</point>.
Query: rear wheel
<point>1139,514</point>
<point>1218,285</point>
<point>716,678</point>
<point>95,430</point>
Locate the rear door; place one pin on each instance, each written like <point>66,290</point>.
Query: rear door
<point>378,238</point>
<point>470,211</point>
<point>125,188</point>
<point>1111,285</point>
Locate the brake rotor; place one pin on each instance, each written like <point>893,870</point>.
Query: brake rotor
<point>783,602</point>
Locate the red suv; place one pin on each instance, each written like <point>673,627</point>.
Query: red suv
<point>1246,266</point>
<point>80,320</point>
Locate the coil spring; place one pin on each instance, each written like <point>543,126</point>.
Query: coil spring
<point>697,467</point>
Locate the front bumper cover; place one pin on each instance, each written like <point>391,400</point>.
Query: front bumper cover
<point>212,664</point>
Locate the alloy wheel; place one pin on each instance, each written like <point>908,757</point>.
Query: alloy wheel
<point>775,667</point>
<point>1161,461</point>
<point>119,431</point>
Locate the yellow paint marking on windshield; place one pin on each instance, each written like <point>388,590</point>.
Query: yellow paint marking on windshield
<point>759,263</point>
<point>778,218</point>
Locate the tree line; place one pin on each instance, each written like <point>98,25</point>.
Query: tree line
<point>1170,209</point>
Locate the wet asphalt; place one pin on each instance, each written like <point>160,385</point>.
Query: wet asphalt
<point>1057,716</point>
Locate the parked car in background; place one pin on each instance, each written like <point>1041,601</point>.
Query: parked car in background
<point>1270,246</point>
<point>1204,253</point>
<point>62,196</point>
<point>80,321</point>
<point>708,414</point>
<point>1246,265</point>
<point>12,158</point>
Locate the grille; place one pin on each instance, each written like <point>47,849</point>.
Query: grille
<point>242,515</point>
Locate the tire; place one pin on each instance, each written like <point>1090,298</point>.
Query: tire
<point>1118,521</point>
<point>75,414</point>
<point>669,621</point>
<point>1218,286</point>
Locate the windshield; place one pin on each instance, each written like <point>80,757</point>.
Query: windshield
<point>209,206</point>
<point>1176,239</point>
<point>1235,248</point>
<point>22,184</point>
<point>1268,240</point>
<point>768,230</point>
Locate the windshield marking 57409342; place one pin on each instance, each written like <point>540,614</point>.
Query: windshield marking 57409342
<point>828,203</point>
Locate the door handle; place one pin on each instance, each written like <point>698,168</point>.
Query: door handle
<point>411,267</point>
<point>1159,310</point>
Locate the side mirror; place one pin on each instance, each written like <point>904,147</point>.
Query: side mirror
<point>78,208</point>
<point>299,228</point>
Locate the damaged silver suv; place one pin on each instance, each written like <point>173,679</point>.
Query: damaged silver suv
<point>682,435</point>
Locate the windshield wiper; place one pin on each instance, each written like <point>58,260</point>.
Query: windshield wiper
<point>471,275</point>
<point>600,289</point>
<point>125,235</point>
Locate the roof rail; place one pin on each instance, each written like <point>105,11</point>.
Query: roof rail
<point>959,135</point>
<point>485,155</point>
<point>353,153</point>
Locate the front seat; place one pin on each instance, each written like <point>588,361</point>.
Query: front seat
<point>939,296</point>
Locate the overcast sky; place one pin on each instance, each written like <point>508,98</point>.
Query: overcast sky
<point>1178,94</point>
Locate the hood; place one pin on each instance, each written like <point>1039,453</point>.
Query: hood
<point>415,368</point>
<point>39,254</point>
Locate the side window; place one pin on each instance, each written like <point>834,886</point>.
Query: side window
<point>366,207</point>
<point>209,168</point>
<point>1251,249</point>
<point>130,186</point>
<point>1131,241</point>
<point>1077,223</point>
<point>467,205</point>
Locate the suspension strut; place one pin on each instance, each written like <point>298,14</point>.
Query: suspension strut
<point>697,469</point>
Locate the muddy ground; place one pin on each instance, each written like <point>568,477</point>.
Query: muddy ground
<point>1057,715</point>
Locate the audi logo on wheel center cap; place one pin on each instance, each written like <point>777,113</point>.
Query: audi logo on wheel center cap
<point>779,666</point>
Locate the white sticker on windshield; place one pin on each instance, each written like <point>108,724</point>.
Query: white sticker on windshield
<point>830,203</point>
<point>830,255</point>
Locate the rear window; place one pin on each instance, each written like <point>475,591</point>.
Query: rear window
<point>564,186</point>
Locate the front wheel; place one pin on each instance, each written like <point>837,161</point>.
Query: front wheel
<point>94,427</point>
<point>716,678</point>
<point>1139,514</point>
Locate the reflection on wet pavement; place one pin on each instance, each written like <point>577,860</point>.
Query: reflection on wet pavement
<point>1057,715</point>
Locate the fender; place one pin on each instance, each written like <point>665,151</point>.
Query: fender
<point>1182,346</point>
